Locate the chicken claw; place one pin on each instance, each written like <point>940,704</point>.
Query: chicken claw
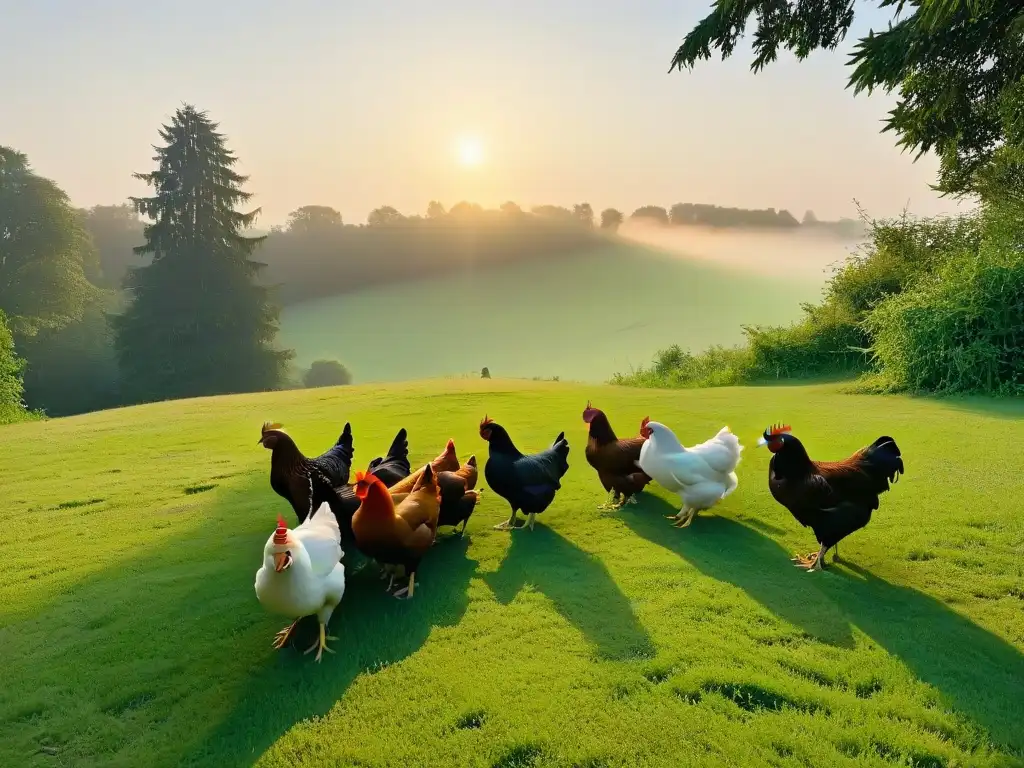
<point>508,525</point>
<point>531,520</point>
<point>282,637</point>
<point>321,644</point>
<point>406,592</point>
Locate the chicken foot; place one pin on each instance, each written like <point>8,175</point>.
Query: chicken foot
<point>284,635</point>
<point>815,561</point>
<point>509,524</point>
<point>690,513</point>
<point>321,644</point>
<point>612,502</point>
<point>406,592</point>
<point>531,520</point>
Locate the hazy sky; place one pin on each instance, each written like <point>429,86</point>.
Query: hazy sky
<point>355,105</point>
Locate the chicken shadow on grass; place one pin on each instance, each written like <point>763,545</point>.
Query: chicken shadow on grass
<point>579,585</point>
<point>373,631</point>
<point>980,674</point>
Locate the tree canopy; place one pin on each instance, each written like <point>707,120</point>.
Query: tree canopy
<point>44,250</point>
<point>611,219</point>
<point>198,323</point>
<point>313,218</point>
<point>11,408</point>
<point>956,64</point>
<point>116,230</point>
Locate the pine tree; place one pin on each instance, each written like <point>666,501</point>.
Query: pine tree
<point>198,323</point>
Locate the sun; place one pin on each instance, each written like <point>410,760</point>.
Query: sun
<point>470,151</point>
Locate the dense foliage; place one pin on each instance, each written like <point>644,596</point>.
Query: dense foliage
<point>326,373</point>
<point>11,406</point>
<point>116,231</point>
<point>931,305</point>
<point>957,65</point>
<point>198,322</point>
<point>44,250</point>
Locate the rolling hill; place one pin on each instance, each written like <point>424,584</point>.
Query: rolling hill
<point>131,634</point>
<point>580,318</point>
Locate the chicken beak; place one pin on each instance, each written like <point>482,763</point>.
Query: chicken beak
<point>761,441</point>
<point>282,560</point>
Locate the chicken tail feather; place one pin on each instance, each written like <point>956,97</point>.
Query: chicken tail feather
<point>883,461</point>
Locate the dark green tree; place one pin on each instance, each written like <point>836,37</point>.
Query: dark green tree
<point>435,210</point>
<point>44,250</point>
<point>198,323</point>
<point>955,64</point>
<point>611,219</point>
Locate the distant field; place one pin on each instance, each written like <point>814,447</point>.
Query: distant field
<point>581,318</point>
<point>132,636</point>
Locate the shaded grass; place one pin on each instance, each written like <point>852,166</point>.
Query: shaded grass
<point>132,636</point>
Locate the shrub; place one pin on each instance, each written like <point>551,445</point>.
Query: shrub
<point>326,373</point>
<point>11,406</point>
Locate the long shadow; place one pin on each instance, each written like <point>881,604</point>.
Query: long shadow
<point>981,674</point>
<point>170,651</point>
<point>580,587</point>
<point>373,630</point>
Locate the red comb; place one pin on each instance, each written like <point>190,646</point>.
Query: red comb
<point>779,429</point>
<point>281,534</point>
<point>486,420</point>
<point>589,406</point>
<point>451,445</point>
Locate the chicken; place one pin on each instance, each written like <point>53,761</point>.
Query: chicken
<point>702,475</point>
<point>614,459</point>
<point>397,535</point>
<point>458,497</point>
<point>527,483</point>
<point>302,574</point>
<point>291,473</point>
<point>343,500</point>
<point>834,498</point>
<point>394,467</point>
<point>448,461</point>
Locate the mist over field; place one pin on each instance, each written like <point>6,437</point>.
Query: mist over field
<point>582,317</point>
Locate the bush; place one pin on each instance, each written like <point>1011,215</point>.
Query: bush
<point>326,373</point>
<point>835,337</point>
<point>11,407</point>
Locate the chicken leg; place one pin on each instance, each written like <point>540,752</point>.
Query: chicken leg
<point>531,520</point>
<point>609,502</point>
<point>407,591</point>
<point>321,644</point>
<point>283,636</point>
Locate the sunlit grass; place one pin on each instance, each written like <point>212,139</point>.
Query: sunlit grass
<point>131,634</point>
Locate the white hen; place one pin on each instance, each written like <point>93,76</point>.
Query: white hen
<point>302,574</point>
<point>702,475</point>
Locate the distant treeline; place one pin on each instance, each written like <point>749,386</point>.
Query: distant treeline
<point>317,254</point>
<point>703,215</point>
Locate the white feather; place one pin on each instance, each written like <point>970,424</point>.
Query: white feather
<point>321,537</point>
<point>702,475</point>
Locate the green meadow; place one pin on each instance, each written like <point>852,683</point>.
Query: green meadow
<point>581,318</point>
<point>132,635</point>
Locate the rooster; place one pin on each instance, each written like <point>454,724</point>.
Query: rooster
<point>702,475</point>
<point>527,483</point>
<point>302,575</point>
<point>614,459</point>
<point>397,535</point>
<point>834,498</point>
<point>291,473</point>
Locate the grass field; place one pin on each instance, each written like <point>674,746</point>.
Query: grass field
<point>542,319</point>
<point>131,634</point>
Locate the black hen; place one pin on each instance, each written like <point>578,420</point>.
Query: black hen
<point>342,499</point>
<point>292,473</point>
<point>834,498</point>
<point>395,466</point>
<point>527,483</point>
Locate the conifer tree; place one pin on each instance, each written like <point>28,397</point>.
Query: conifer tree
<point>198,323</point>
